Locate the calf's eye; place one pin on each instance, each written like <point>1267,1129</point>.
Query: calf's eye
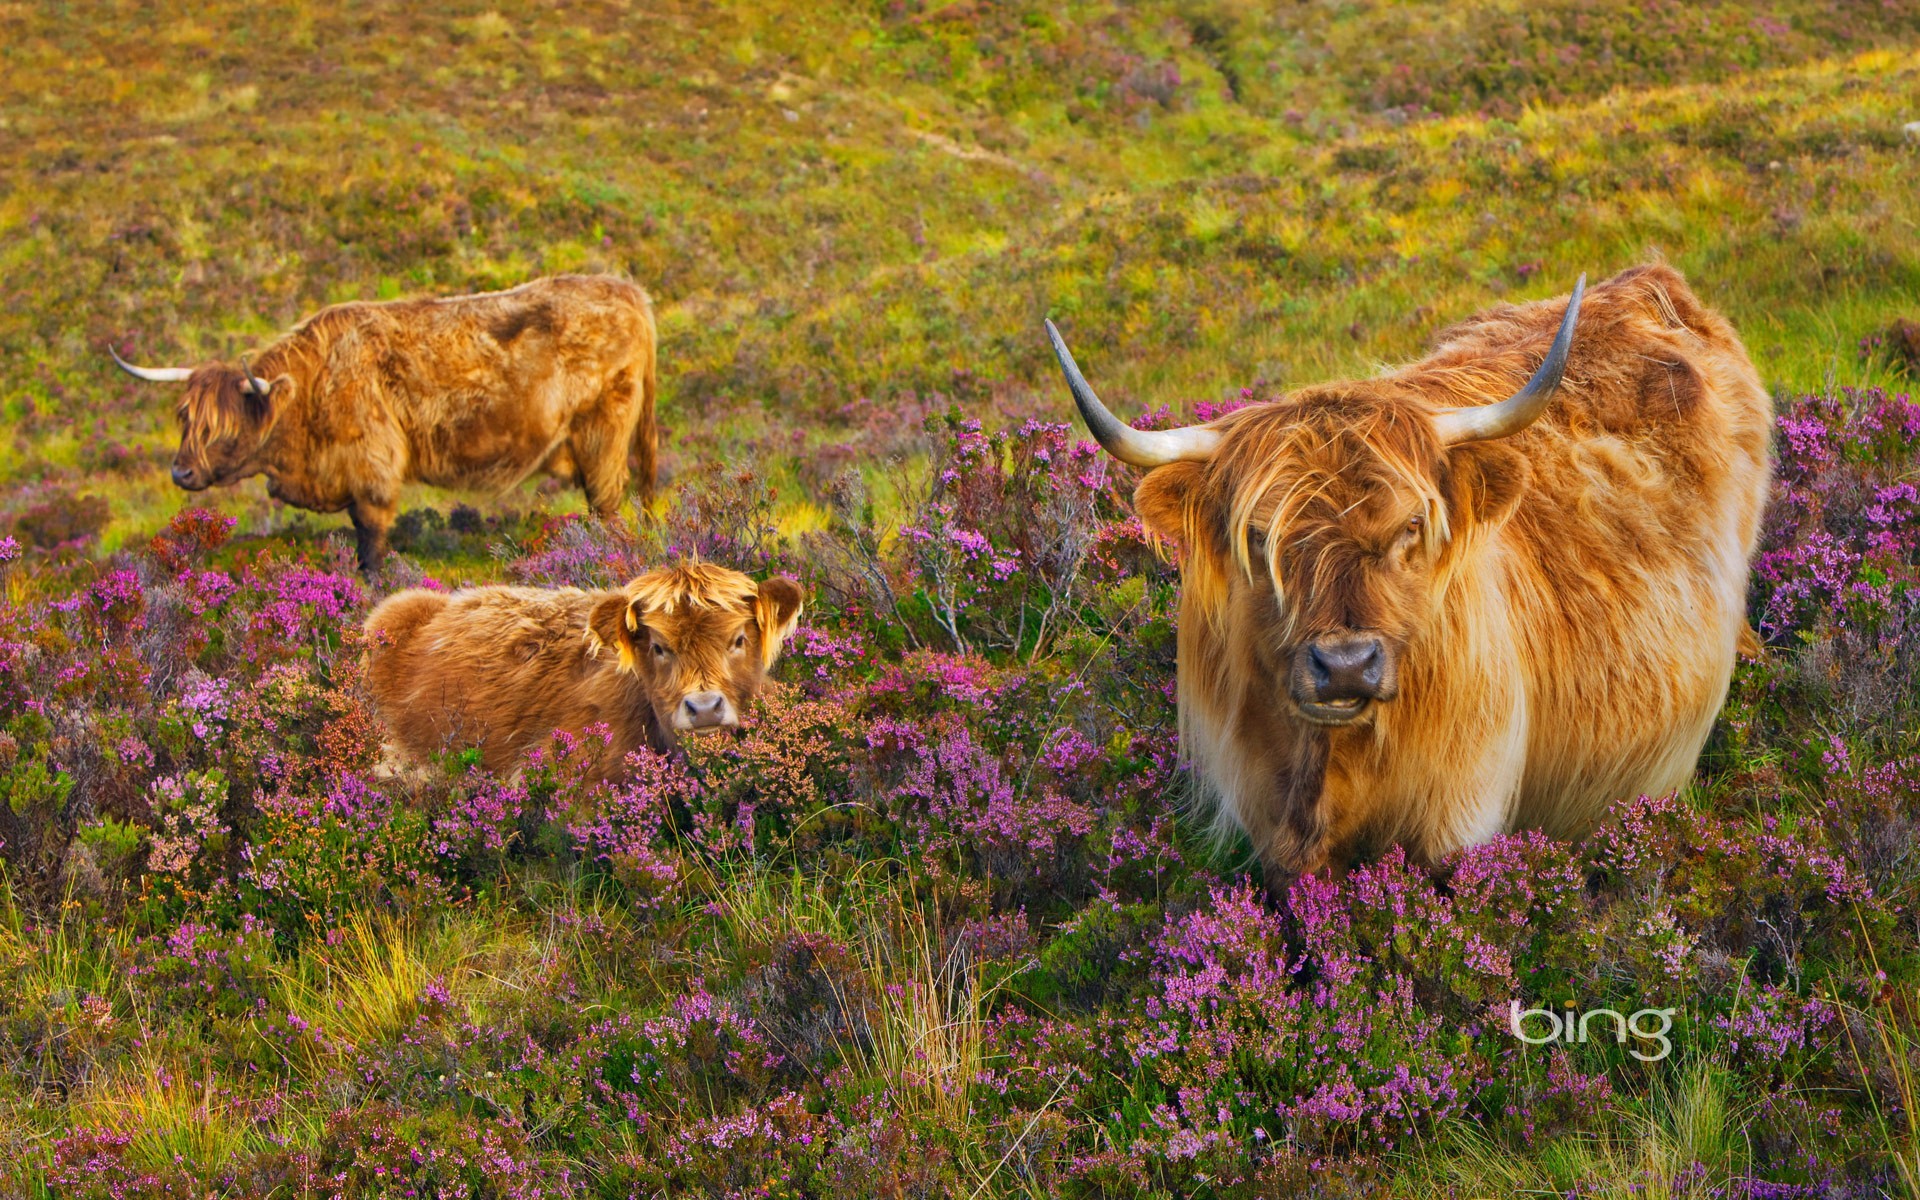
<point>740,641</point>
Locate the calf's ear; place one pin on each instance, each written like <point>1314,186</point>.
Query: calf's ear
<point>777,610</point>
<point>613,622</point>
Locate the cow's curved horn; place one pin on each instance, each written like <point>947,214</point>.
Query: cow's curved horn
<point>255,384</point>
<point>1137,447</point>
<point>152,374</point>
<point>1524,407</point>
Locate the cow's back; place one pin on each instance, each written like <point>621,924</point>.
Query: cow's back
<point>479,391</point>
<point>498,668</point>
<point>1623,568</point>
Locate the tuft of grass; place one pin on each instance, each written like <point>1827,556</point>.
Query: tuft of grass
<point>366,983</point>
<point>171,1116</point>
<point>921,1007</point>
<point>1685,1138</point>
<point>1883,1041</point>
<point>924,1033</point>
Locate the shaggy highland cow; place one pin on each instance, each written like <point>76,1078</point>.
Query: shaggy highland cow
<point>1415,612</point>
<point>471,392</point>
<point>682,648</point>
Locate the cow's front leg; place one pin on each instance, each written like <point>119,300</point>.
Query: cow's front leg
<point>1290,822</point>
<point>1288,853</point>
<point>371,520</point>
<point>1279,772</point>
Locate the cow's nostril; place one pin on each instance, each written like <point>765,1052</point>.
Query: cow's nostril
<point>1318,659</point>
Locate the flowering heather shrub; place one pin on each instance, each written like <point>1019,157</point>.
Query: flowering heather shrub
<point>579,551</point>
<point>935,913</point>
<point>998,551</point>
<point>1003,531</point>
<point>721,514</point>
<point>1898,346</point>
<point>52,518</point>
<point>315,855</point>
<point>618,827</point>
<point>189,537</point>
<point>1837,580</point>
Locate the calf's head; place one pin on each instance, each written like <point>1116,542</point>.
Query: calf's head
<point>700,638</point>
<point>225,415</point>
<point>1315,532</point>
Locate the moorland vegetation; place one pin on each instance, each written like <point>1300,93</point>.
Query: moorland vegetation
<point>938,922</point>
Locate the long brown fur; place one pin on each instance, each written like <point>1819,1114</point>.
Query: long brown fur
<point>1562,607</point>
<point>501,668</point>
<point>474,392</point>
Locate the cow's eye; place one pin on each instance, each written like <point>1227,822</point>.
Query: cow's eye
<point>660,652</point>
<point>740,641</point>
<point>1415,524</point>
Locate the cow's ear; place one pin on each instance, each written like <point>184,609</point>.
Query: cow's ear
<point>777,610</point>
<point>1485,481</point>
<point>1176,503</point>
<point>614,622</point>
<point>1165,499</point>
<point>263,411</point>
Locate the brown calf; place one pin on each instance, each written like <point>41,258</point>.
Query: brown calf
<point>466,392</point>
<point>681,648</point>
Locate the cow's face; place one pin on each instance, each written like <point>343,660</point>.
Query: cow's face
<point>701,650</point>
<point>1315,530</point>
<point>223,425</point>
<point>1315,541</point>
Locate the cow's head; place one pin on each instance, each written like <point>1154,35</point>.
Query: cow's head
<point>1316,533</point>
<point>225,415</point>
<point>701,638</point>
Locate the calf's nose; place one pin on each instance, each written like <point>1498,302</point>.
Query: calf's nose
<point>705,708</point>
<point>181,476</point>
<point>1350,670</point>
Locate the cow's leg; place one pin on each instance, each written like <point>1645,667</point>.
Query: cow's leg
<point>646,434</point>
<point>1287,851</point>
<point>599,448</point>
<point>1292,831</point>
<point>371,520</point>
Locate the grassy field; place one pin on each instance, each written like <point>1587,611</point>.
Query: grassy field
<point>939,929</point>
<point>844,210</point>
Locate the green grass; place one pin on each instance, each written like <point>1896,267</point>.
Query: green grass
<point>842,202</point>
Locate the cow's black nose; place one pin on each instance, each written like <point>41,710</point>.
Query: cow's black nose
<point>1347,670</point>
<point>182,477</point>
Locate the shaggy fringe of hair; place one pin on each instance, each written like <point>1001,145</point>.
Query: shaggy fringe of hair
<point>1398,448</point>
<point>694,584</point>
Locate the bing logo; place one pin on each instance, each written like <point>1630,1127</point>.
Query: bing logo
<point>1571,1027</point>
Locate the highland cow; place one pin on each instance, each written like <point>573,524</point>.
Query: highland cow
<point>471,392</point>
<point>681,649</point>
<point>1413,616</point>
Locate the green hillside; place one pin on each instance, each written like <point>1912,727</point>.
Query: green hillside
<point>877,203</point>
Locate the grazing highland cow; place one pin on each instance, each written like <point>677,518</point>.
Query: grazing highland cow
<point>681,648</point>
<point>1411,615</point>
<point>467,392</point>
